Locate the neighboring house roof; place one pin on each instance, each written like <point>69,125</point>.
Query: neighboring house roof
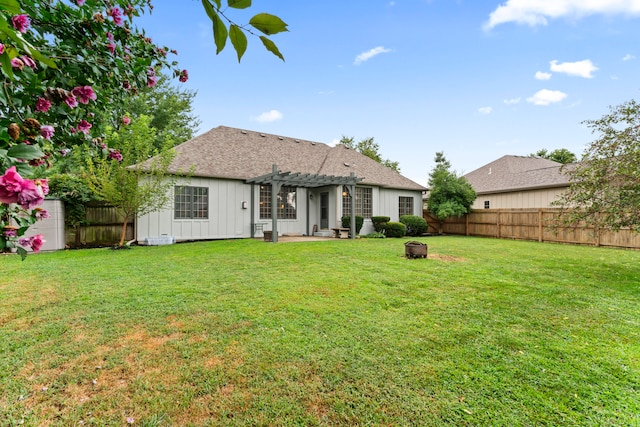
<point>517,173</point>
<point>231,153</point>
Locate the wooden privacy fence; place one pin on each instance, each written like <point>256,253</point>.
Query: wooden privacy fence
<point>104,228</point>
<point>530,224</point>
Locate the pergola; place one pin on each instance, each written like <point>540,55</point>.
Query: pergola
<point>305,180</point>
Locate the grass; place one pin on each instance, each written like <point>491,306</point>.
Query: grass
<point>239,333</point>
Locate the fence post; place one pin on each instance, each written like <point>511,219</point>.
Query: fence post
<point>498,223</point>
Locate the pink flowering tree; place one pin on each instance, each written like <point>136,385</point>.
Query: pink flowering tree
<point>66,62</point>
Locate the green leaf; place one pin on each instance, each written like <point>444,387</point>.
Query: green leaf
<point>268,24</point>
<point>239,4</point>
<point>22,252</point>
<point>238,40</point>
<point>6,66</point>
<point>11,6</point>
<point>211,12</point>
<point>25,152</point>
<point>271,47</point>
<point>219,34</point>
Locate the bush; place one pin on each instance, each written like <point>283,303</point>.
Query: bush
<point>416,225</point>
<point>346,222</point>
<point>376,235</point>
<point>379,222</point>
<point>395,229</point>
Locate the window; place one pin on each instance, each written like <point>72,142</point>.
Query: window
<point>364,202</point>
<point>405,206</point>
<point>286,202</point>
<point>191,203</point>
<point>486,204</point>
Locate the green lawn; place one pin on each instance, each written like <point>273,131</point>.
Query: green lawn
<point>340,332</point>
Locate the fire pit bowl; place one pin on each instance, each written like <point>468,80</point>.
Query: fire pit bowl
<point>415,249</point>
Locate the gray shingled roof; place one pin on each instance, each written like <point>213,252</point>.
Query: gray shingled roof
<point>510,173</point>
<point>231,153</point>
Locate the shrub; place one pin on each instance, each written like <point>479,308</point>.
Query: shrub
<point>379,222</point>
<point>395,229</point>
<point>416,225</point>
<point>346,222</point>
<point>376,235</point>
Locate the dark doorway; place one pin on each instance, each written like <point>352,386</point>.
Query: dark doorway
<point>324,210</point>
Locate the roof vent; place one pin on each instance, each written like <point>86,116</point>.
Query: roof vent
<point>313,143</point>
<point>262,135</point>
<point>280,138</point>
<point>347,164</point>
<point>297,140</point>
<point>243,132</point>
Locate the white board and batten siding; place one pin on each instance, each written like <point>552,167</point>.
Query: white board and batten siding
<point>526,199</point>
<point>386,202</point>
<point>227,218</point>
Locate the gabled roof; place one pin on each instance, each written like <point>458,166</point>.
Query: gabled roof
<point>231,153</point>
<point>513,173</point>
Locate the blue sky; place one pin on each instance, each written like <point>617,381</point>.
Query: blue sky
<point>477,79</point>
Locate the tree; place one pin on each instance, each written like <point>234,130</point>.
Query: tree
<point>63,63</point>
<point>369,148</point>
<point>561,155</point>
<point>125,183</point>
<point>449,194</point>
<point>170,109</point>
<point>605,185</point>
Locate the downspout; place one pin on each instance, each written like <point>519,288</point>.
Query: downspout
<point>352,191</point>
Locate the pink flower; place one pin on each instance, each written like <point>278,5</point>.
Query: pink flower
<point>84,126</point>
<point>32,193</point>
<point>28,62</point>
<point>17,63</point>
<point>184,76</point>
<point>84,94</point>
<point>109,36</point>
<point>41,214</point>
<point>10,231</point>
<point>71,101</point>
<point>111,46</point>
<point>1,48</point>
<point>116,15</point>
<point>151,77</point>
<point>114,155</point>
<point>33,242</point>
<point>80,2</point>
<point>43,105</point>
<point>46,131</point>
<point>10,186</point>
<point>126,85</point>
<point>126,120</point>
<point>130,420</point>
<point>21,23</point>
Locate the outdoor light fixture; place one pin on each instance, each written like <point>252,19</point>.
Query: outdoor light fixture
<point>245,205</point>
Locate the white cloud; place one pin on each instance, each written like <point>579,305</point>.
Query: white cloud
<point>628,57</point>
<point>581,68</point>
<point>512,101</point>
<point>365,56</point>
<point>543,76</point>
<point>546,97</point>
<point>537,12</point>
<point>485,110</point>
<point>269,116</point>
